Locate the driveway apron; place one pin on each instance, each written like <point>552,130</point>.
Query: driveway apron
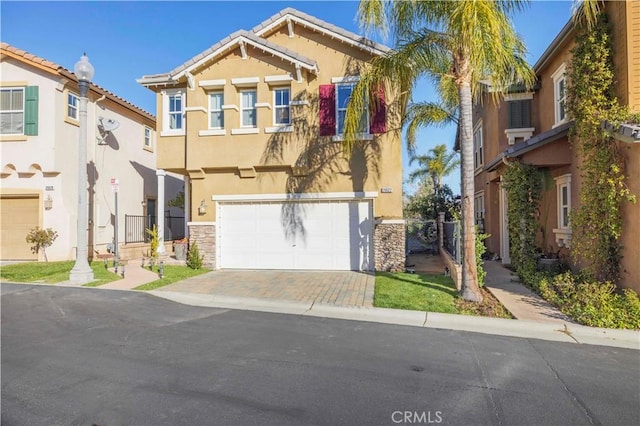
<point>339,288</point>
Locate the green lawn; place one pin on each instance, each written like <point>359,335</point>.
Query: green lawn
<point>417,292</point>
<point>172,273</point>
<point>52,272</point>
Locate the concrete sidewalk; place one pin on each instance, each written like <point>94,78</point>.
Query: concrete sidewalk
<point>518,299</point>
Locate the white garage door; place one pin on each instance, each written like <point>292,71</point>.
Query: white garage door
<point>323,235</point>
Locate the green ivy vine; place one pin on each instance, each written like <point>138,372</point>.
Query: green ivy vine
<point>591,98</point>
<point>523,185</point>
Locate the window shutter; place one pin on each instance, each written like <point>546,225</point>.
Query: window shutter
<point>519,114</point>
<point>327,110</point>
<point>31,110</point>
<point>378,113</point>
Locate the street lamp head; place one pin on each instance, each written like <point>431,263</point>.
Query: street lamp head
<point>83,69</point>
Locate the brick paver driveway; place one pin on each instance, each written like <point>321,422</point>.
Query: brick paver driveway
<point>341,288</point>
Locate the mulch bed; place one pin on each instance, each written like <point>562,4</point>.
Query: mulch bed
<point>490,306</point>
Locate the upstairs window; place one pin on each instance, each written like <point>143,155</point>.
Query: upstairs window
<point>175,112</point>
<point>12,111</point>
<point>248,109</point>
<point>72,106</point>
<point>19,111</point>
<point>334,99</point>
<point>560,94</point>
<point>519,114</point>
<point>147,138</point>
<point>478,150</point>
<point>216,114</point>
<point>282,109</point>
<point>478,208</point>
<point>563,231</point>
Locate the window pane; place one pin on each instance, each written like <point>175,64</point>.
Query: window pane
<point>175,103</point>
<point>344,92</point>
<point>249,117</point>
<point>17,100</point>
<point>282,115</point>
<point>248,99</point>
<point>217,119</point>
<point>216,101</point>
<point>175,121</point>
<point>565,217</point>
<point>565,196</point>
<point>5,100</point>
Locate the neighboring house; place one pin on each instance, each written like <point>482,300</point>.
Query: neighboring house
<point>533,127</point>
<point>255,123</point>
<point>39,139</point>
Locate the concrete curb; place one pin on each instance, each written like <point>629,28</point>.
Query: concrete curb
<point>544,330</point>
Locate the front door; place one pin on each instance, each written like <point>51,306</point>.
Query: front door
<point>504,227</point>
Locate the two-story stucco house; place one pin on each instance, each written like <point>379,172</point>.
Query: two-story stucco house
<point>254,124</point>
<point>533,127</point>
<point>39,139</point>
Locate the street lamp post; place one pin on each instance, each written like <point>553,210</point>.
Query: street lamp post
<point>82,272</point>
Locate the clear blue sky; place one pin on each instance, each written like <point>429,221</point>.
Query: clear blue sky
<point>126,40</point>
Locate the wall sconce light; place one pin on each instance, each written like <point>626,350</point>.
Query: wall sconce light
<point>144,203</point>
<point>203,208</point>
<point>48,202</point>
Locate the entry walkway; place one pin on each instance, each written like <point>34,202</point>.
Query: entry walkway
<point>518,299</point>
<point>339,288</point>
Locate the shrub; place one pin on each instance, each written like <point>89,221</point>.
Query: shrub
<point>590,302</point>
<point>480,250</point>
<point>154,241</point>
<point>40,239</point>
<point>194,260</point>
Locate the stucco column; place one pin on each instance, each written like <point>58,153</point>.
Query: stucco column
<point>187,205</point>
<point>160,209</point>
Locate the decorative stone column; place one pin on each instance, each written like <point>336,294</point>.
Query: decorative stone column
<point>389,245</point>
<point>160,210</point>
<point>204,234</point>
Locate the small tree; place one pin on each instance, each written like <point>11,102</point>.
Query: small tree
<point>154,241</point>
<point>194,260</point>
<point>40,239</point>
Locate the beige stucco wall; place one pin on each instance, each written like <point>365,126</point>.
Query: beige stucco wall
<point>52,156</point>
<point>268,160</point>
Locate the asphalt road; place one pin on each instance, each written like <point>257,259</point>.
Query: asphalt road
<point>97,357</point>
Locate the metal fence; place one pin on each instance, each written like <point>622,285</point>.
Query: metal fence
<point>452,240</point>
<point>135,228</point>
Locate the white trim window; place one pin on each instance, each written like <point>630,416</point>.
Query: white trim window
<point>216,114</point>
<point>563,189</point>
<point>72,105</point>
<point>148,137</point>
<point>343,94</point>
<point>560,95</point>
<point>478,209</point>
<point>12,111</point>
<point>173,112</point>
<point>248,112</point>
<point>478,149</point>
<point>281,106</point>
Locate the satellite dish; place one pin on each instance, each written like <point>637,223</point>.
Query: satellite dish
<point>108,124</point>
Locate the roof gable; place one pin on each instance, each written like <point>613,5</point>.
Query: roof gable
<point>287,15</point>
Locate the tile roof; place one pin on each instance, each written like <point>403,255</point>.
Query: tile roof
<point>59,69</point>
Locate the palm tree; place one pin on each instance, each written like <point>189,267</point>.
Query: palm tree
<point>437,164</point>
<point>462,45</point>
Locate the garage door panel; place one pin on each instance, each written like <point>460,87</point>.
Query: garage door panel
<point>18,217</point>
<point>295,235</point>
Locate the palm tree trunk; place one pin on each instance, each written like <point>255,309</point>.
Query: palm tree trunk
<point>469,290</point>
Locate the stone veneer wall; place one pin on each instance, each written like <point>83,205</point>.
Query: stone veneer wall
<point>389,247</point>
<point>205,236</point>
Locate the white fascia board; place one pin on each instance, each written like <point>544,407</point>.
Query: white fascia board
<point>347,79</point>
<point>320,29</point>
<point>297,196</point>
<point>213,54</point>
<point>212,83</point>
<point>244,81</point>
<point>277,78</point>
